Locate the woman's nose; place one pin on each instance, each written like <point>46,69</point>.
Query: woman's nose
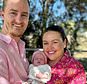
<point>49,46</point>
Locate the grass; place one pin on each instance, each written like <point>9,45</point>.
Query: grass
<point>82,57</point>
<point>84,62</point>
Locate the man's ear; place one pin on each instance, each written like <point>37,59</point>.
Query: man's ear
<point>2,15</point>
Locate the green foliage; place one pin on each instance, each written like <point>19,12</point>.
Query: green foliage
<point>73,19</point>
<point>84,62</point>
<point>0,29</point>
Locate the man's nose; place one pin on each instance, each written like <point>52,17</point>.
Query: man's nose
<point>18,19</point>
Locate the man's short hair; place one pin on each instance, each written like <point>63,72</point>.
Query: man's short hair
<point>5,1</point>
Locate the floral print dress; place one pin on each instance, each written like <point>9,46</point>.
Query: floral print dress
<point>68,71</point>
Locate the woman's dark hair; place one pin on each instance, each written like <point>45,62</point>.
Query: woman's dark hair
<point>58,29</point>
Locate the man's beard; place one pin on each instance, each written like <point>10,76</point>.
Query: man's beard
<point>16,35</point>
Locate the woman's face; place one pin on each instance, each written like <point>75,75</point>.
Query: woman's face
<point>53,45</point>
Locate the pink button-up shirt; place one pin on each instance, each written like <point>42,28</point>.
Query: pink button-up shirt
<point>13,63</point>
<point>68,71</point>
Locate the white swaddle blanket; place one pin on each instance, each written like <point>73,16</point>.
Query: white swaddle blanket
<point>45,69</point>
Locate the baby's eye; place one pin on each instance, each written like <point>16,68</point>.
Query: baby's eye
<point>41,59</point>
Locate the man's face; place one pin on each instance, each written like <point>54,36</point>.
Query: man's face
<point>16,15</point>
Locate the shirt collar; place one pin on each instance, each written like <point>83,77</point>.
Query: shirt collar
<point>65,56</point>
<point>5,38</point>
<point>8,39</point>
<point>63,59</point>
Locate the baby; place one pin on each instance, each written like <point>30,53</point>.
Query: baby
<point>39,70</point>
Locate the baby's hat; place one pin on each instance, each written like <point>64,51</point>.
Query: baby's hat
<point>39,52</point>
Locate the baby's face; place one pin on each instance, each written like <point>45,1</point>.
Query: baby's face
<point>38,59</point>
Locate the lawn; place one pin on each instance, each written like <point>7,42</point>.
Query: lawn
<point>82,57</point>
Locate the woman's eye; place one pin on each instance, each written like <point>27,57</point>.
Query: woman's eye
<point>45,43</point>
<point>55,42</point>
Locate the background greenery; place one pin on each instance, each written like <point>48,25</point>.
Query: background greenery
<point>73,19</point>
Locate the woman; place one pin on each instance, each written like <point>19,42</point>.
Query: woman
<point>65,69</point>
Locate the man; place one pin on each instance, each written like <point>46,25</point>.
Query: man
<point>13,63</point>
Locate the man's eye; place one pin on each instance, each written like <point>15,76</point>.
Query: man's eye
<point>12,13</point>
<point>24,15</point>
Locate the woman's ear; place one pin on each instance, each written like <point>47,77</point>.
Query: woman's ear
<point>65,43</point>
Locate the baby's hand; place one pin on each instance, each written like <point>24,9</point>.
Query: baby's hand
<point>21,82</point>
<point>42,76</point>
<point>39,75</point>
<point>25,83</point>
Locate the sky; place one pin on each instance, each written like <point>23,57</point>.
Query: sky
<point>58,8</point>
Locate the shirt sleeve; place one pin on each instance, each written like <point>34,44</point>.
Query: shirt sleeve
<point>79,78</point>
<point>3,81</point>
<point>3,68</point>
<point>76,74</point>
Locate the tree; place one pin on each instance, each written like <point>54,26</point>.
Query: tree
<point>71,14</point>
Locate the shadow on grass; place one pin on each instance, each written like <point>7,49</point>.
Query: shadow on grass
<point>84,62</point>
